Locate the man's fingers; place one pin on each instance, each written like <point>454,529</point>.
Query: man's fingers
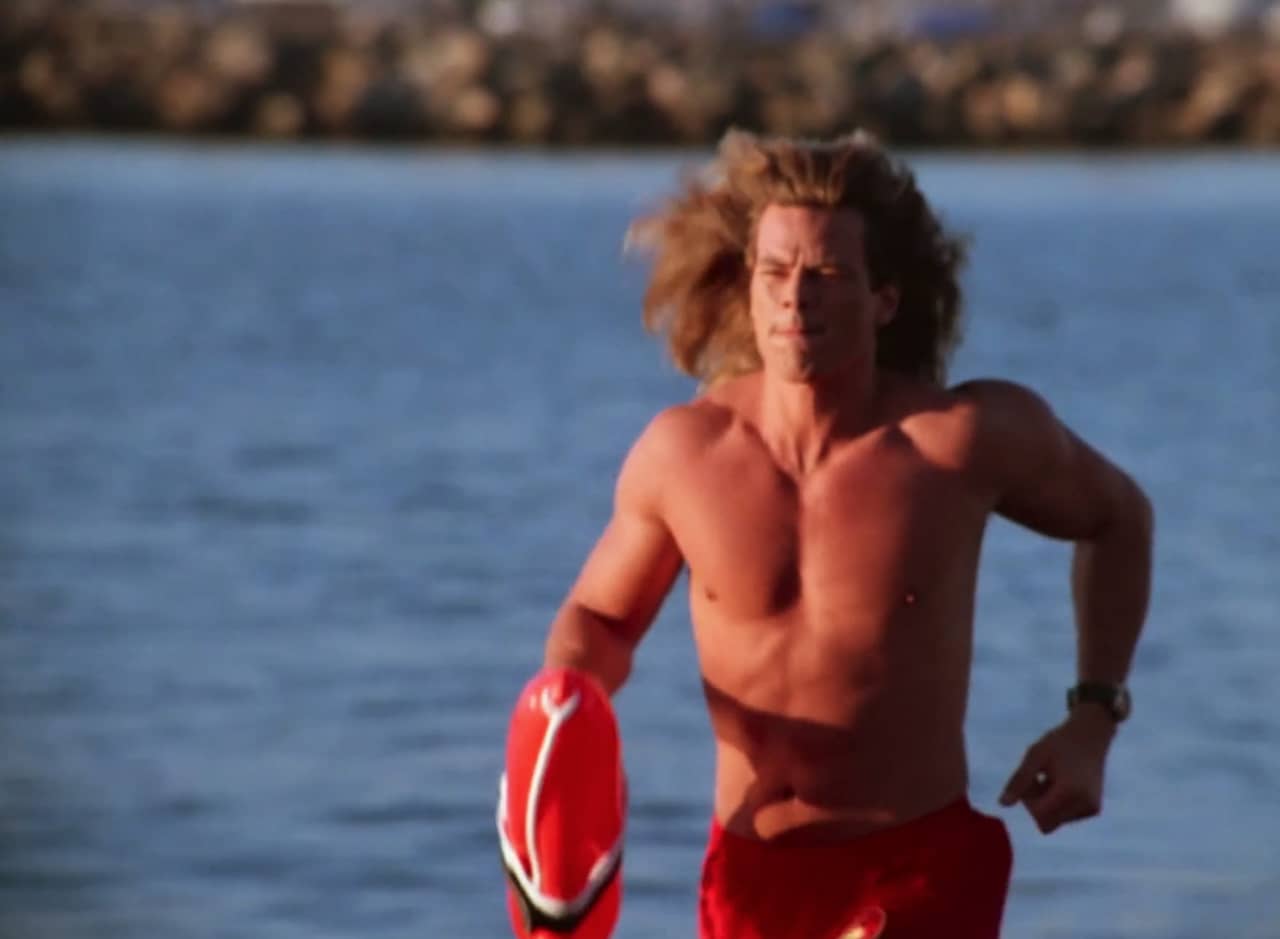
<point>1059,807</point>
<point>1081,807</point>
<point>1027,779</point>
<point>1051,808</point>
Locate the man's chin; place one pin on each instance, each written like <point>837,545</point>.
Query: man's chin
<point>800,377</point>
<point>808,367</point>
<point>795,371</point>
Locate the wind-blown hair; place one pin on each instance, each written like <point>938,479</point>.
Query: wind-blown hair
<point>702,244</point>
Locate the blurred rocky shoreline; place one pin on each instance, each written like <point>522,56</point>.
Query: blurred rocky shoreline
<point>315,70</point>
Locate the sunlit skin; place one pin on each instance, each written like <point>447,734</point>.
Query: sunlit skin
<point>831,515</point>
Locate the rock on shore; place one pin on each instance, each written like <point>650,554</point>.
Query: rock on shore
<point>309,69</point>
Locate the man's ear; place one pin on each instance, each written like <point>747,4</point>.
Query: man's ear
<point>887,297</point>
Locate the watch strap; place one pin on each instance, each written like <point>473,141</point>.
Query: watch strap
<point>1115,698</point>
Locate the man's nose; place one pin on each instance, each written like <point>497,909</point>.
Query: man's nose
<point>797,291</point>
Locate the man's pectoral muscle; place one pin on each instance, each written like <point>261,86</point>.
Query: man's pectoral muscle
<point>626,577</point>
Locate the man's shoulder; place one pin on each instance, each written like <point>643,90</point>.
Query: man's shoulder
<point>673,441</point>
<point>681,429</point>
<point>1011,429</point>
<point>996,393</point>
<point>974,423</point>
<point>704,419</point>
<point>1001,407</point>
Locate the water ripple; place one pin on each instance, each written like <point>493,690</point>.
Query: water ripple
<point>284,515</point>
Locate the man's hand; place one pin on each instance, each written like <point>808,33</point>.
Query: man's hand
<point>1060,779</point>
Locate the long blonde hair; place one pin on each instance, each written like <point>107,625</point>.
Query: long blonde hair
<point>702,240</point>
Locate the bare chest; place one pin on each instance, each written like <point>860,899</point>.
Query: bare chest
<point>877,527</point>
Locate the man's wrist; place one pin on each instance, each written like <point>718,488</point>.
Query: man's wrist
<point>1095,717</point>
<point>1113,699</point>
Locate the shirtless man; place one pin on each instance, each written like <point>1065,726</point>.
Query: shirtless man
<point>828,494</point>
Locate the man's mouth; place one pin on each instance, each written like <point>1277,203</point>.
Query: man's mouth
<point>797,332</point>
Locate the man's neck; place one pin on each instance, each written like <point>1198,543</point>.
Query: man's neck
<point>803,421</point>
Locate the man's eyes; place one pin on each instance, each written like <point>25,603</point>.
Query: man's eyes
<point>823,270</point>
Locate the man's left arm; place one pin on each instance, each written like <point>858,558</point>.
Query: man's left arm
<point>1051,481</point>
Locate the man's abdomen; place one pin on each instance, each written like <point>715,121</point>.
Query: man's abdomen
<point>811,737</point>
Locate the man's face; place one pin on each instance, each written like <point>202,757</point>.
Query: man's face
<point>813,306</point>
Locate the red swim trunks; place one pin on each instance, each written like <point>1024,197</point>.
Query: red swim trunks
<point>944,874</point>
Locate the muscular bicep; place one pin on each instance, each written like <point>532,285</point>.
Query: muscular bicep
<point>628,573</point>
<point>1071,491</point>
<point>1043,475</point>
<point>632,567</point>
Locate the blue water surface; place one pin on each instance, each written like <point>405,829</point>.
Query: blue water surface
<point>300,449</point>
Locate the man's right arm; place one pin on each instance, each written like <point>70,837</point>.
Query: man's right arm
<point>627,574</point>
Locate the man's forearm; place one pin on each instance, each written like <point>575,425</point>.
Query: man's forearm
<point>1111,583</point>
<point>585,640</point>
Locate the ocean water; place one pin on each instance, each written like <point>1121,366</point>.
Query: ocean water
<point>300,449</point>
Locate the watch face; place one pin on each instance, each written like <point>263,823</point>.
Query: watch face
<point>1122,704</point>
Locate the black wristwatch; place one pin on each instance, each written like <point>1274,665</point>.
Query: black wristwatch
<point>1115,698</point>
